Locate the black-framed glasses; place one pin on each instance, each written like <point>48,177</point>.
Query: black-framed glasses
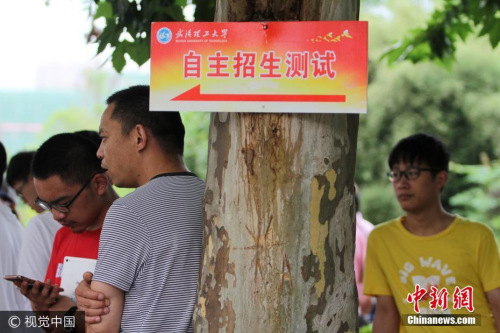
<point>63,208</point>
<point>410,173</point>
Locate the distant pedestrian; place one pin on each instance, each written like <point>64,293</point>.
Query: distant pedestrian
<point>39,234</point>
<point>11,234</point>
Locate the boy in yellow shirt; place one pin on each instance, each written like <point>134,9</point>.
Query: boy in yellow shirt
<point>430,262</point>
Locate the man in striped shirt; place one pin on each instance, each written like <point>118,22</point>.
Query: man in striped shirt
<point>150,247</point>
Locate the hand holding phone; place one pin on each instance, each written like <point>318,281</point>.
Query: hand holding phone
<point>19,279</point>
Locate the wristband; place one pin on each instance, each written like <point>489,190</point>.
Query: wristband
<point>71,311</point>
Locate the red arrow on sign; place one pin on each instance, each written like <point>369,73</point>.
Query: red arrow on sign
<point>194,94</point>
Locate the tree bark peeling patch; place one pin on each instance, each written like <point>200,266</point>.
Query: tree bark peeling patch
<point>344,327</point>
<point>329,262</point>
<point>286,275</point>
<point>327,207</point>
<point>279,155</point>
<point>340,254</point>
<point>230,315</point>
<point>322,210</point>
<point>209,197</point>
<point>344,143</point>
<point>318,228</point>
<point>218,316</point>
<point>323,196</point>
<point>310,268</point>
<point>210,247</point>
<point>248,155</point>
<point>208,222</point>
<point>203,310</point>
<point>222,145</point>
<point>222,259</point>
<point>312,312</point>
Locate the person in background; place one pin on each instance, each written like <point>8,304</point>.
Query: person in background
<point>430,261</point>
<point>11,233</point>
<point>363,229</point>
<point>39,234</point>
<point>69,182</point>
<point>7,196</point>
<point>6,200</point>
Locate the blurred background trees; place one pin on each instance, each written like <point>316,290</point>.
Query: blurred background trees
<point>458,104</point>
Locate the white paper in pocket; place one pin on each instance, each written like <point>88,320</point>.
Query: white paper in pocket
<point>72,272</point>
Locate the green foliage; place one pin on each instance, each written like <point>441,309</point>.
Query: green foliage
<point>459,106</point>
<point>122,191</point>
<point>456,20</point>
<point>365,329</point>
<point>205,10</point>
<point>128,25</point>
<point>378,203</point>
<point>196,141</point>
<point>480,201</point>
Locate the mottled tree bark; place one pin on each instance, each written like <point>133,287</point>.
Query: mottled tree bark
<point>279,207</point>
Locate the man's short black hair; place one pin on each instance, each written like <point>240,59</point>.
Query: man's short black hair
<point>93,136</point>
<point>3,161</point>
<point>71,156</point>
<point>421,148</point>
<point>131,107</point>
<point>19,168</point>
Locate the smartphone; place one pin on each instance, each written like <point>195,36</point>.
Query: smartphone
<point>18,279</point>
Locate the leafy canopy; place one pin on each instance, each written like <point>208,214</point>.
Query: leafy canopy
<point>128,25</point>
<point>457,19</point>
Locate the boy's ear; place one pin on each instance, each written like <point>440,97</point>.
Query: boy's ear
<point>101,183</point>
<point>441,179</point>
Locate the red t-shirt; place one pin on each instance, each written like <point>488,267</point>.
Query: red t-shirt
<point>68,243</point>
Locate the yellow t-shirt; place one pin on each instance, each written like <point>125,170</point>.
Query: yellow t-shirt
<point>464,254</point>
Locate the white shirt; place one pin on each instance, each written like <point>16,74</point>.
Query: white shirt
<point>36,248</point>
<point>11,235</point>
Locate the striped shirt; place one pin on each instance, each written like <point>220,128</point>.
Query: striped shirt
<point>150,248</point>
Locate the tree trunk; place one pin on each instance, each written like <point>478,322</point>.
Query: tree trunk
<point>279,207</point>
